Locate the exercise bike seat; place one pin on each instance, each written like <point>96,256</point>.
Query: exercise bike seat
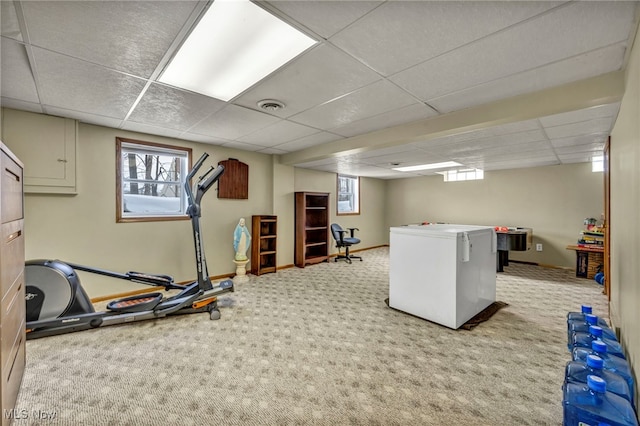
<point>139,303</point>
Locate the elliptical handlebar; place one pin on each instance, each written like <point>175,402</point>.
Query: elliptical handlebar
<point>203,184</point>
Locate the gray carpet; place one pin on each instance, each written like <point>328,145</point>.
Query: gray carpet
<point>318,346</point>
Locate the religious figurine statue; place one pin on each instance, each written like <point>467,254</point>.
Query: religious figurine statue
<point>241,240</point>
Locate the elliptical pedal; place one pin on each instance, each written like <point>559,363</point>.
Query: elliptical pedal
<point>143,302</point>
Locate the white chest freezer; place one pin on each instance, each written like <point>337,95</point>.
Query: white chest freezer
<point>442,273</point>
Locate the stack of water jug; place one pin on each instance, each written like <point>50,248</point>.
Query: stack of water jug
<point>598,386</point>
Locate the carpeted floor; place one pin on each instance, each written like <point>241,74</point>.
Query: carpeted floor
<point>317,346</point>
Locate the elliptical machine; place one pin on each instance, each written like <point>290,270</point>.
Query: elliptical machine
<point>57,303</point>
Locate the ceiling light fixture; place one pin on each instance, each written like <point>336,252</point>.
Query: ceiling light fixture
<point>271,105</point>
<point>431,166</point>
<point>235,45</point>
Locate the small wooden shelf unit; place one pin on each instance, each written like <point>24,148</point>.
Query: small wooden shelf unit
<point>264,230</point>
<point>312,228</point>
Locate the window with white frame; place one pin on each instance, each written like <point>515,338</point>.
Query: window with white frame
<point>464,174</point>
<point>150,181</point>
<point>597,163</point>
<point>348,194</point>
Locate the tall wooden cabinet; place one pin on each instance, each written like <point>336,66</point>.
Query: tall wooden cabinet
<point>312,228</point>
<point>12,312</point>
<point>263,244</point>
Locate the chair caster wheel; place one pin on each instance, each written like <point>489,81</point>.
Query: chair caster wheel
<point>215,314</point>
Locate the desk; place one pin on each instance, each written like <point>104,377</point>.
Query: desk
<point>588,259</point>
<point>518,239</point>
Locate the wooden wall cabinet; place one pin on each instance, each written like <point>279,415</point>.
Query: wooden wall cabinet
<point>234,182</point>
<point>47,145</point>
<point>264,230</point>
<point>12,312</point>
<point>312,228</point>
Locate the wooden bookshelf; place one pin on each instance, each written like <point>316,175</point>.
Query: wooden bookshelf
<point>264,230</point>
<point>312,228</point>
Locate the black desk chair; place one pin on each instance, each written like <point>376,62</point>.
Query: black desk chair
<point>346,242</point>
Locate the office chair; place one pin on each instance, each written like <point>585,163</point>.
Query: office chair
<point>346,242</point>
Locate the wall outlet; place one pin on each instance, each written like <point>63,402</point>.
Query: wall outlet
<point>538,247</point>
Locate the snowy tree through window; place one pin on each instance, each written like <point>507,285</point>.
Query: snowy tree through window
<point>150,181</point>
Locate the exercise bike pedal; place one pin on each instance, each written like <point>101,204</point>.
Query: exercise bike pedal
<point>139,303</point>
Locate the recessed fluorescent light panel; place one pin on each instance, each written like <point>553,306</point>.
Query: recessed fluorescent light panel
<point>428,166</point>
<point>235,45</point>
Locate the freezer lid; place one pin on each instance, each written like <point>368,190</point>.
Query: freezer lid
<point>440,230</point>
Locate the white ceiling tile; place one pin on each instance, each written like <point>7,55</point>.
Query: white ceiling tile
<point>487,132</point>
<point>308,141</point>
<point>233,122</point>
<point>400,34</point>
<point>403,159</point>
<point>80,86</point>
<point>576,68</point>
<point>275,151</point>
<point>21,105</point>
<point>358,105</point>
<point>609,110</point>
<point>278,133</point>
<point>396,117</point>
<point>130,36</point>
<point>173,108</point>
<point>324,18</point>
<point>320,75</point>
<point>203,138</point>
<point>566,32</point>
<point>532,137</point>
<point>580,149</point>
<point>580,140</point>
<point>581,157</point>
<point>520,163</point>
<point>17,80</point>
<point>243,146</point>
<point>85,117</point>
<point>153,130</point>
<point>9,26</point>
<point>598,125</point>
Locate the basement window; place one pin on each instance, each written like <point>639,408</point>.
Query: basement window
<point>597,163</point>
<point>464,174</point>
<point>150,181</point>
<point>348,195</point>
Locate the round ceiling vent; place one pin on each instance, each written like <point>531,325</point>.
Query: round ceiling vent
<point>270,105</point>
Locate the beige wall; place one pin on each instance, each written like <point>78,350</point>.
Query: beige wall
<point>625,220</point>
<point>552,200</point>
<point>371,219</point>
<point>82,228</point>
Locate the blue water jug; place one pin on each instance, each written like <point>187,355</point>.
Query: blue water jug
<point>582,326</point>
<point>584,340</point>
<point>610,363</point>
<point>584,309</point>
<point>577,371</point>
<point>591,404</point>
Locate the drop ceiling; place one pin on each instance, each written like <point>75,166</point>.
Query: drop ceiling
<point>490,85</point>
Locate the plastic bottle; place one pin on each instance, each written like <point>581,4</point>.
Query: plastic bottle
<point>610,363</point>
<point>582,326</point>
<point>591,404</point>
<point>584,309</point>
<point>577,371</point>
<point>584,340</point>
